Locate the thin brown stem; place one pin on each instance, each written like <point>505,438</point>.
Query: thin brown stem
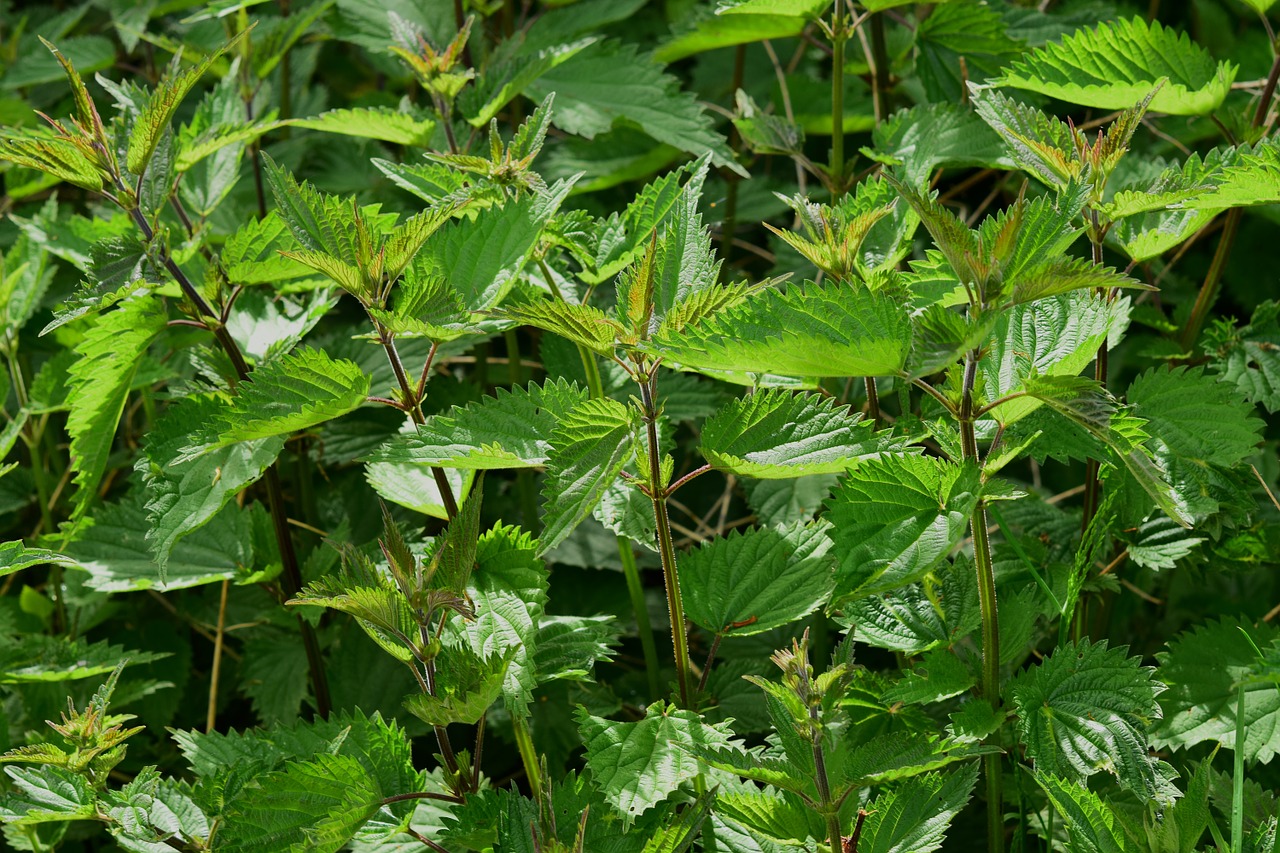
<point>211,715</point>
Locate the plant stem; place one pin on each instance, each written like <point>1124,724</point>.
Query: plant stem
<point>635,591</point>
<point>880,68</point>
<point>1237,781</point>
<point>990,613</point>
<point>666,546</point>
<point>1092,483</point>
<point>528,755</point>
<point>211,715</point>
<point>291,574</point>
<point>524,477</point>
<point>838,37</point>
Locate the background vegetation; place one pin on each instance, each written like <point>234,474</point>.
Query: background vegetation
<point>622,426</point>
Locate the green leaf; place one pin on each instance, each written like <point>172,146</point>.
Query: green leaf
<point>183,494</point>
<point>315,805</point>
<point>1115,65</point>
<point>568,647</point>
<point>585,325</point>
<point>810,331</point>
<point>1058,336</point>
<point>46,794</point>
<point>708,32</point>
<point>902,755</point>
<point>928,136</point>
<point>510,430</point>
<point>940,675</point>
<point>1085,709</point>
<point>251,254</point>
<point>895,519</point>
<point>1085,403</point>
<point>588,449</point>
<point>747,583</point>
<point>1093,826</point>
<point>914,818</point>
<point>36,658</point>
<point>382,123</point>
<point>298,391</point>
<point>774,434</point>
<point>51,154</point>
<point>14,557</point>
<point>1249,356</point>
<point>512,67</point>
<point>273,675</point>
<point>1201,420</point>
<point>322,224</point>
<point>99,385</point>
<point>466,685</point>
<point>1203,668</point>
<point>610,82</point>
<point>113,548</point>
<point>1038,143</point>
<point>638,765</point>
<point>162,104</point>
<point>902,621</point>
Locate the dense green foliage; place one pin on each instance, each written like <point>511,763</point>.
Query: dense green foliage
<point>599,425</point>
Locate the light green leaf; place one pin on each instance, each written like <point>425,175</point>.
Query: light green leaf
<point>14,557</point>
<point>1093,826</point>
<point>610,82</point>
<point>709,32</point>
<point>746,583</point>
<point>1203,668</point>
<point>298,391</point>
<point>902,621</point>
<point>1249,356</point>
<point>588,450</point>
<point>901,755</point>
<point>1085,709</point>
<point>45,795</point>
<point>568,647</point>
<point>466,685</point>
<point>414,487</point>
<point>810,331</point>
<point>37,658</point>
<point>382,123</point>
<point>1115,65</point>
<point>183,494</point>
<point>774,434</point>
<point>251,254</point>
<point>585,325</point>
<point>638,765</point>
<point>510,430</point>
<point>914,817</point>
<point>1197,417</point>
<point>940,675</point>
<point>895,519</point>
<point>99,385</point>
<point>928,136</point>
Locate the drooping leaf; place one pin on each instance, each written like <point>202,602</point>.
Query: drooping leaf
<point>45,795</point>
<point>297,391</point>
<point>914,818</point>
<point>100,380</point>
<point>510,430</point>
<point>746,583</point>
<point>381,123</point>
<point>466,685</point>
<point>14,557</point>
<point>37,658</point>
<point>1203,668</point>
<point>774,434</point>
<point>1086,708</point>
<point>895,519</point>
<point>1115,65</point>
<point>588,449</point>
<point>638,765</point>
<point>808,331</point>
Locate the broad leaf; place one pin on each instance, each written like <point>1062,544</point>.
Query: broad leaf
<point>36,658</point>
<point>99,385</point>
<point>746,583</point>
<point>895,519</point>
<point>775,434</point>
<point>638,765</point>
<point>1086,709</point>
<point>510,430</point>
<point>381,123</point>
<point>1093,826</point>
<point>1115,65</point>
<point>808,331</point>
<point>46,794</point>
<point>914,818</point>
<point>588,449</point>
<point>14,557</point>
<point>1249,356</point>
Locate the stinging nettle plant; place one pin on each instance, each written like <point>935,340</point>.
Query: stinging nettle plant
<point>354,353</point>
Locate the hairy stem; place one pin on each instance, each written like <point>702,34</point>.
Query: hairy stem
<point>987,603</point>
<point>1237,780</point>
<point>528,755</point>
<point>211,714</point>
<point>1092,483</point>
<point>666,545</point>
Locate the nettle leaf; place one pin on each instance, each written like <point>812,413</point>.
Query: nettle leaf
<point>585,325</point>
<point>610,82</point>
<point>774,434</point>
<point>1058,336</point>
<point>928,136</point>
<point>510,430</point>
<point>310,805</point>
<point>162,104</point>
<point>383,123</point>
<point>587,451</point>
<point>568,647</point>
<point>1115,65</point>
<point>1086,708</point>
<point>1249,356</point>
<point>15,556</point>
<point>638,765</point>
<point>895,519</point>
<point>902,755</point>
<point>741,23</point>
<point>1038,143</point>
<point>809,331</point>
<point>1196,416</point>
<point>298,391</point>
<point>37,658</point>
<point>1203,668</point>
<point>747,583</point>
<point>46,795</point>
<point>940,675</point>
<point>1087,404</point>
<point>914,817</point>
<point>251,254</point>
<point>99,385</point>
<point>902,621</point>
<point>183,494</point>
<point>1093,826</point>
<point>466,685</point>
